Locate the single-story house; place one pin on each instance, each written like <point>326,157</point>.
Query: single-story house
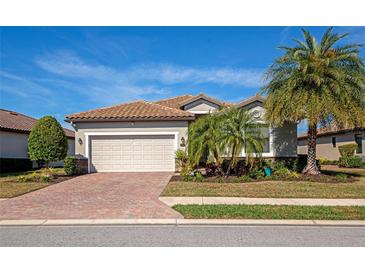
<point>330,138</point>
<point>14,131</point>
<point>143,136</point>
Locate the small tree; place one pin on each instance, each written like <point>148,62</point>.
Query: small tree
<point>47,141</point>
<point>240,130</point>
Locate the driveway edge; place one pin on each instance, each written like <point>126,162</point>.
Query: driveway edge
<point>251,222</point>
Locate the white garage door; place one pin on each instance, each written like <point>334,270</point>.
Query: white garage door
<point>132,153</point>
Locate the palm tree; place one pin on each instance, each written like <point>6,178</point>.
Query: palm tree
<point>240,130</point>
<point>318,83</point>
<point>204,137</point>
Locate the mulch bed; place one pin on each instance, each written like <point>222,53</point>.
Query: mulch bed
<point>322,178</point>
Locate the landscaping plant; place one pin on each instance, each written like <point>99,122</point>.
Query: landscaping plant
<point>205,140</point>
<point>47,141</point>
<point>318,82</point>
<point>70,166</point>
<point>240,131</point>
<point>347,150</point>
<point>354,162</point>
<point>181,158</point>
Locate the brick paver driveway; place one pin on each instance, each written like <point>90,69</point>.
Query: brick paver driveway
<point>94,196</point>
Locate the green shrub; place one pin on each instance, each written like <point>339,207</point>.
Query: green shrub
<point>70,166</point>
<point>181,158</point>
<point>256,174</point>
<point>198,177</point>
<point>33,177</point>
<point>44,178</point>
<point>47,141</point>
<point>347,150</point>
<point>354,161</point>
<point>282,172</point>
<point>187,173</point>
<point>278,164</point>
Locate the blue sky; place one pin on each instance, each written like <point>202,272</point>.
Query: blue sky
<point>61,70</point>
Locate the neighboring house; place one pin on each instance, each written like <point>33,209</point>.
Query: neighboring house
<point>14,131</point>
<point>330,138</point>
<point>143,136</point>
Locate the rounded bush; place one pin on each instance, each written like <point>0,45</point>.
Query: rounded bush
<point>47,141</point>
<point>70,166</point>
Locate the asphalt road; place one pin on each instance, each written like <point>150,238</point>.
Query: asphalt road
<point>182,236</point>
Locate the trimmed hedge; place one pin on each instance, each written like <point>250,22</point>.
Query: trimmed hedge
<point>347,150</point>
<point>350,162</point>
<point>14,165</point>
<point>71,166</point>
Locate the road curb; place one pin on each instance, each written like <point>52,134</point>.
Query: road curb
<point>178,222</point>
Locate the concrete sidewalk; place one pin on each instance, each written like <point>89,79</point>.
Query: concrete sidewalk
<point>171,201</point>
<point>251,222</point>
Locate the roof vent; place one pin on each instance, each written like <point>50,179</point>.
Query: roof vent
<point>13,113</point>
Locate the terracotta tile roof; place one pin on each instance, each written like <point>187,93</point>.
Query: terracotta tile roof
<point>138,110</point>
<point>174,102</point>
<point>251,100</point>
<point>14,121</point>
<point>331,129</point>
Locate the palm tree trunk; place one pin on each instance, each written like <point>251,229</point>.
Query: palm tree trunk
<point>231,161</point>
<point>311,167</point>
<point>218,163</point>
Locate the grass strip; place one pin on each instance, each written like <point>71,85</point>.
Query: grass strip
<point>271,212</point>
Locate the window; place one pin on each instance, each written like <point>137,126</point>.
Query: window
<point>264,133</point>
<point>333,141</point>
<point>358,141</point>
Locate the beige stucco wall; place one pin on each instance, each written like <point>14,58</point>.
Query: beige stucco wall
<point>201,105</point>
<point>180,127</point>
<point>15,145</point>
<point>325,148</point>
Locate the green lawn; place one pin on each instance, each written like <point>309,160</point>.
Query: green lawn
<point>271,212</point>
<point>275,189</point>
<point>10,187</point>
<point>13,189</point>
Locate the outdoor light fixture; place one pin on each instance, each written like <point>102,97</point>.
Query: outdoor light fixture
<point>80,141</point>
<point>183,143</point>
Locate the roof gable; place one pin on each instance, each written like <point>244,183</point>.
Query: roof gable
<point>203,97</point>
<point>252,102</point>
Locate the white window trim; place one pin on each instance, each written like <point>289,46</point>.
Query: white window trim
<point>127,133</point>
<point>199,111</point>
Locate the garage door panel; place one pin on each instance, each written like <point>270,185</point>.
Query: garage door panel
<point>132,153</point>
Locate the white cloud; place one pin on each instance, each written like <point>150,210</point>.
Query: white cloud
<point>69,65</point>
<point>170,74</point>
